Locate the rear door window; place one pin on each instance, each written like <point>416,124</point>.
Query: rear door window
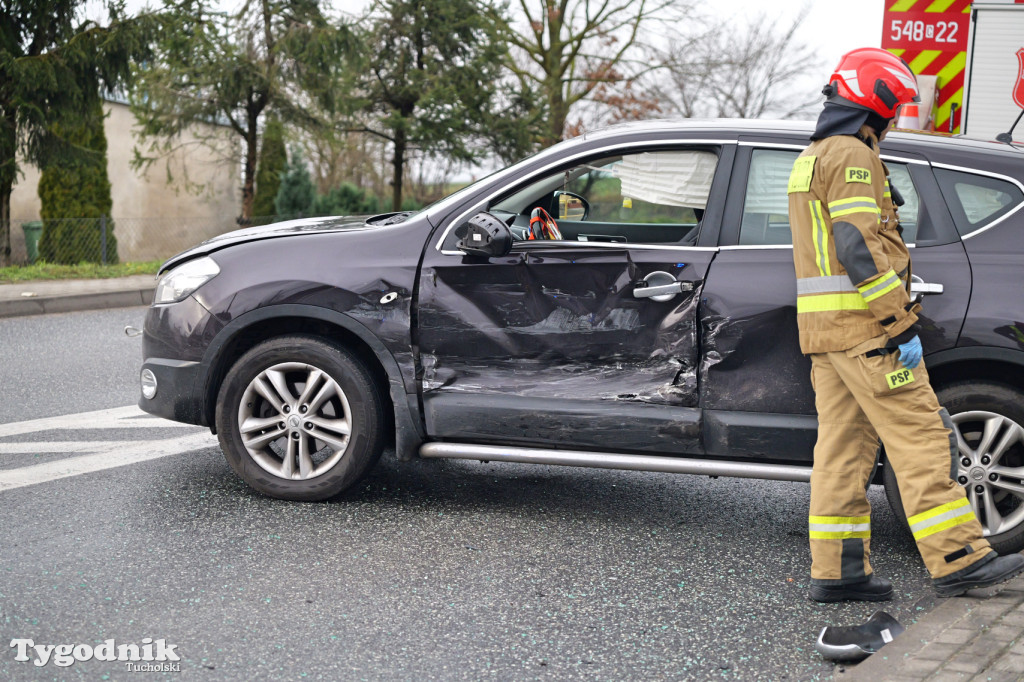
<point>977,201</point>
<point>766,205</point>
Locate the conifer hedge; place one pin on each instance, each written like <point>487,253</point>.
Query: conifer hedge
<point>272,161</point>
<point>75,194</point>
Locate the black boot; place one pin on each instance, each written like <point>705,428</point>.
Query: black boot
<point>871,589</point>
<point>984,573</point>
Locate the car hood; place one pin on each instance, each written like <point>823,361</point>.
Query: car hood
<point>285,229</point>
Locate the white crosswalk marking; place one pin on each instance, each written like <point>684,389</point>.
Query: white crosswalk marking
<point>103,454</point>
<point>119,417</point>
<point>56,446</point>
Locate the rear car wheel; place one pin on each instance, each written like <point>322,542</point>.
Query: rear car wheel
<point>988,420</point>
<point>300,418</point>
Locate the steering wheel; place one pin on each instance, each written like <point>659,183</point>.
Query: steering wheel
<point>542,225</point>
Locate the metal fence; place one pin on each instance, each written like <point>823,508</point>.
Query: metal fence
<point>113,240</point>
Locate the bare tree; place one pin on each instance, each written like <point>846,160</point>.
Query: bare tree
<point>337,156</point>
<point>745,72</point>
<point>563,50</point>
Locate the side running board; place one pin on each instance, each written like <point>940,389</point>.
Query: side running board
<point>606,460</point>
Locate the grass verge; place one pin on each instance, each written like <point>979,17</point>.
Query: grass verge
<point>41,270</point>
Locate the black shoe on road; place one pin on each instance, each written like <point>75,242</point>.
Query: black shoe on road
<point>872,589</point>
<point>983,574</point>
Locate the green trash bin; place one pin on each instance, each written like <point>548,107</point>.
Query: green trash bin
<point>33,231</point>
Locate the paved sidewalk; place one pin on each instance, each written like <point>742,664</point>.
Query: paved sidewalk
<point>65,295</point>
<point>979,636</point>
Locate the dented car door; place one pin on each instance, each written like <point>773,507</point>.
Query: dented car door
<point>561,343</point>
<point>553,345</point>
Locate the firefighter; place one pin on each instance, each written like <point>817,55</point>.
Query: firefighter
<point>859,326</point>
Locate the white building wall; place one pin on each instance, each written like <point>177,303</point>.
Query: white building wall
<point>153,218</point>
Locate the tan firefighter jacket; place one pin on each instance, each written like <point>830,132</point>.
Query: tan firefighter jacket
<point>852,266</point>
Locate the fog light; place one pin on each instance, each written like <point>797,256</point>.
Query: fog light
<point>148,384</point>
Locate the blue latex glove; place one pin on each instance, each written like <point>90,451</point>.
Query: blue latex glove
<point>910,353</point>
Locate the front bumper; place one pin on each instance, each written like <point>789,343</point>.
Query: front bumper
<point>179,390</point>
<point>174,340</point>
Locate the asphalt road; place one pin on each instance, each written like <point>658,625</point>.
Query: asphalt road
<point>430,570</point>
<point>67,363</point>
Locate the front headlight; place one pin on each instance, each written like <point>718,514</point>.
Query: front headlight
<point>184,279</point>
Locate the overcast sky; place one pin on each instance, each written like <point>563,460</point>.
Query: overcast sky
<point>830,26</point>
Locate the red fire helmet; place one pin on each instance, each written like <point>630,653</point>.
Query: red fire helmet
<point>874,79</point>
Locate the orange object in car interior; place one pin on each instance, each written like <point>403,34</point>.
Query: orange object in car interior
<point>543,226</point>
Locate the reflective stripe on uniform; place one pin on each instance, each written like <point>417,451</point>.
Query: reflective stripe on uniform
<point>839,527</point>
<point>940,518</point>
<point>820,237</point>
<point>834,284</point>
<point>842,207</point>
<point>879,286</point>
<point>830,302</point>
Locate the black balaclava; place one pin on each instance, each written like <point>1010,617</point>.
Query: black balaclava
<point>839,119</point>
<point>877,123</point>
<point>836,119</point>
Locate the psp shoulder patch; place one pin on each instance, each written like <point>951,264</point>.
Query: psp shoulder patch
<point>858,175</point>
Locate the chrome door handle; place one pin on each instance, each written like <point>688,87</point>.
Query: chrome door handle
<point>661,286</point>
<point>919,286</point>
<point>664,289</point>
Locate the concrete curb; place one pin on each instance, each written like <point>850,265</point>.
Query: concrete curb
<point>62,296</point>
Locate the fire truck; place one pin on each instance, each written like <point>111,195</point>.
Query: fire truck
<point>969,58</point>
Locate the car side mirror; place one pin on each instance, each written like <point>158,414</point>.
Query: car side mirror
<point>569,206</point>
<point>487,236</point>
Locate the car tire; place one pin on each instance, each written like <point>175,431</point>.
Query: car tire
<point>300,418</point>
<point>975,407</point>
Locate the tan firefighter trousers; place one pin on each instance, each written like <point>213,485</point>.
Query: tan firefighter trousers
<point>861,397</point>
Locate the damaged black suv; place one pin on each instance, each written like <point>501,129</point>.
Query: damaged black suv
<point>649,324</point>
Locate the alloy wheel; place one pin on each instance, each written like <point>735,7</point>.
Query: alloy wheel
<point>294,421</point>
<point>991,468</point>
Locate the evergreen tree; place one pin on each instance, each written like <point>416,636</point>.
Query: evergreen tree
<point>346,199</point>
<point>52,67</point>
<point>296,194</point>
<point>272,162</point>
<point>75,193</point>
<point>429,74</point>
